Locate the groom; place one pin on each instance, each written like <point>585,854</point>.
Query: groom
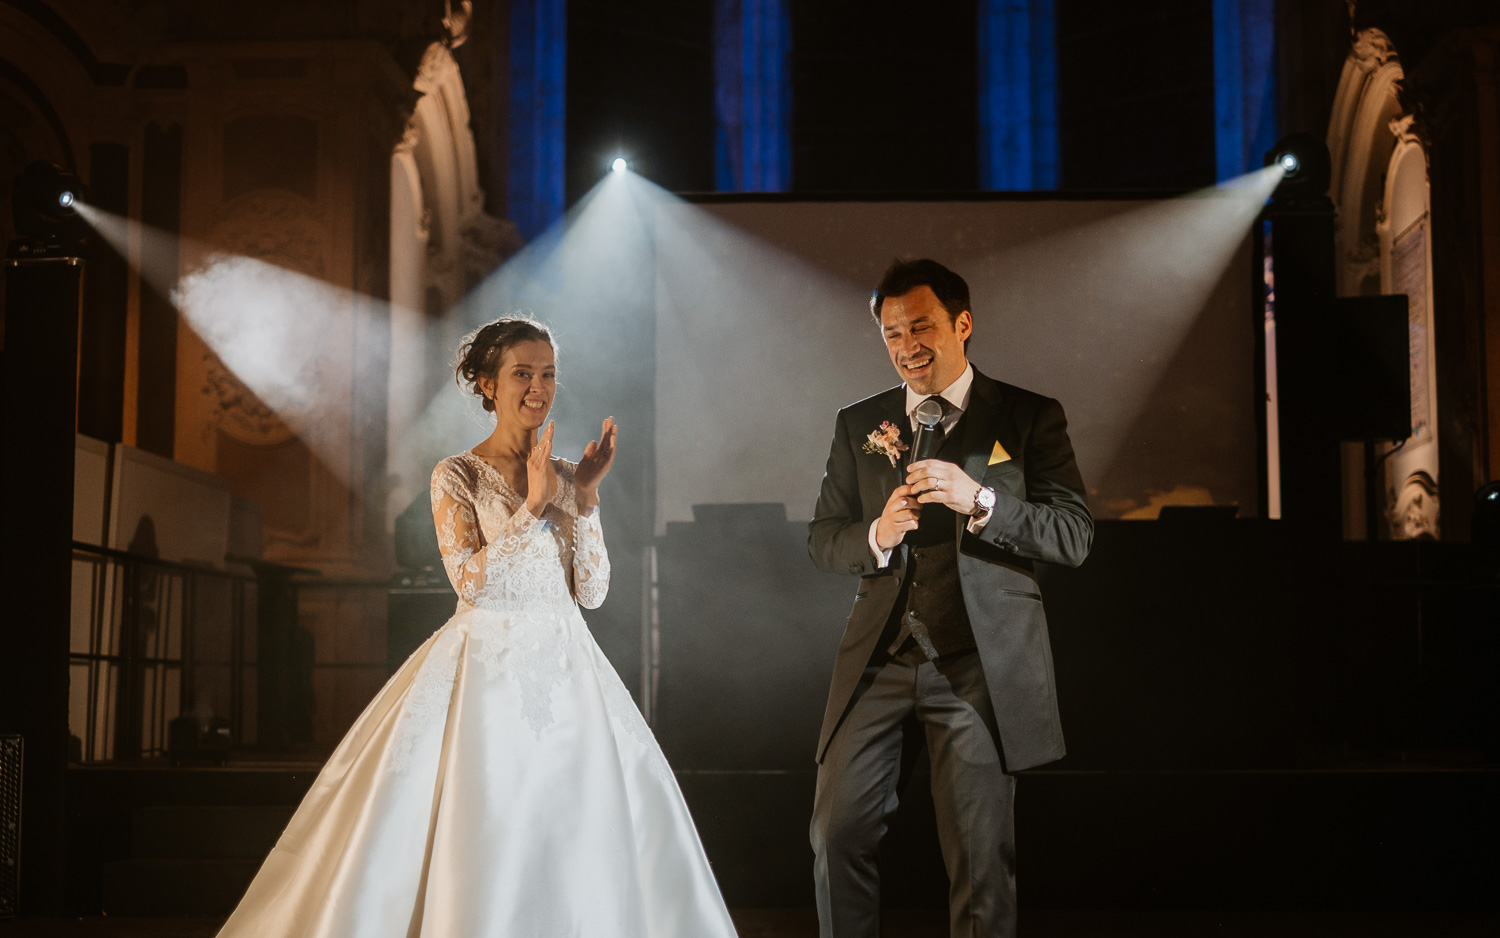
<point>947,630</point>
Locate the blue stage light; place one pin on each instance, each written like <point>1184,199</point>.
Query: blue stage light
<point>1290,163</point>
<point>619,165</point>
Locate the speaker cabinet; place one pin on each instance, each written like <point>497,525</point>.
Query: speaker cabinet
<point>1373,349</point>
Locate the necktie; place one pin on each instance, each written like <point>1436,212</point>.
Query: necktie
<point>938,433</point>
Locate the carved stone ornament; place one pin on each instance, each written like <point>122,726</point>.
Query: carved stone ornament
<point>1362,260</point>
<point>1414,512</point>
<point>437,70</point>
<point>1409,129</point>
<point>456,21</point>
<point>275,226</point>
<point>488,242</point>
<point>440,262</point>
<point>236,410</point>
<point>1401,128</point>
<point>410,137</point>
<point>1372,49</point>
<point>255,294</point>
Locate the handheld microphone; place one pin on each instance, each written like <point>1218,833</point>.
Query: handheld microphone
<point>929,415</point>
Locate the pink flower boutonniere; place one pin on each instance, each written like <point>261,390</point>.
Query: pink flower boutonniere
<point>886,442</point>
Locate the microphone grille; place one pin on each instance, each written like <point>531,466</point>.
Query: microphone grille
<point>929,413</point>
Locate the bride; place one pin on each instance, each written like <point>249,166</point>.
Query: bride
<point>503,782</point>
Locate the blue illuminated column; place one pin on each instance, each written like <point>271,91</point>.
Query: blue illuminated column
<point>752,96</point>
<point>1244,84</point>
<point>1017,95</point>
<point>536,187</point>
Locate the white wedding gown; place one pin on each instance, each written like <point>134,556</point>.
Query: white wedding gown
<point>503,782</point>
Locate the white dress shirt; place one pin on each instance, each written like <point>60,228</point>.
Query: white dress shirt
<point>957,395</point>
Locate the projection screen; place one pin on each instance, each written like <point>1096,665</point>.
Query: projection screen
<point>1134,313</point>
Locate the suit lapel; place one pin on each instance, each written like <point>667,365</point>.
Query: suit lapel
<point>890,406</point>
<point>987,410</point>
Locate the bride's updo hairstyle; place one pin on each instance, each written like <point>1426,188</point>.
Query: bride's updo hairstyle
<point>479,355</point>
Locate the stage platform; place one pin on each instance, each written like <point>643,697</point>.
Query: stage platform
<point>924,923</point>
<point>1398,839</point>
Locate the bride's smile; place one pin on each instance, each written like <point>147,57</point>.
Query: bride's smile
<point>526,381</point>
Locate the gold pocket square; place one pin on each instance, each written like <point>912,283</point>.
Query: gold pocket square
<point>998,454</point>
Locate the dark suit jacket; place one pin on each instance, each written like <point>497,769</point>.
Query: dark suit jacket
<point>1040,515</point>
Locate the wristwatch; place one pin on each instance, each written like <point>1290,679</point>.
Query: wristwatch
<point>984,503</point>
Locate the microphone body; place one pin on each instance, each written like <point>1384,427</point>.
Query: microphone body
<point>926,444</point>
<point>929,416</point>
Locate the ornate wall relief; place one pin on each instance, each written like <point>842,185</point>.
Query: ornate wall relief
<point>272,327</point>
<point>442,245</point>
<point>283,236</point>
<point>1412,512</point>
<point>1411,472</point>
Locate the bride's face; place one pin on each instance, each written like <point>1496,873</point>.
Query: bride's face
<point>524,384</point>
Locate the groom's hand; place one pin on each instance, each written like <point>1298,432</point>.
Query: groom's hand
<point>933,480</point>
<point>900,515</point>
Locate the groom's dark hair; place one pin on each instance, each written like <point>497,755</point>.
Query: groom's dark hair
<point>902,277</point>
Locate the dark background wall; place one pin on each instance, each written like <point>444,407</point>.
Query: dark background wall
<point>1135,94</point>
<point>640,84</point>
<point>885,94</point>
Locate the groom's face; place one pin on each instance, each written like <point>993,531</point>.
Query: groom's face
<point>925,344</point>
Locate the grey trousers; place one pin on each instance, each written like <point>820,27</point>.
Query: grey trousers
<point>974,797</point>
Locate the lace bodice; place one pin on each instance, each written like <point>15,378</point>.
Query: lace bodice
<point>499,557</point>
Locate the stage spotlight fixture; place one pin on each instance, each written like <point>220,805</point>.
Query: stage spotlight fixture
<point>1484,530</point>
<point>44,200</point>
<point>619,165</point>
<point>1487,514</point>
<point>1308,168</point>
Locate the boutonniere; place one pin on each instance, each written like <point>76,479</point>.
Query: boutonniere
<point>886,442</point>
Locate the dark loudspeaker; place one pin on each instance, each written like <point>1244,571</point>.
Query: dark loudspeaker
<point>416,606</point>
<point>10,825</point>
<point>1373,359</point>
<point>747,636</point>
<point>38,407</point>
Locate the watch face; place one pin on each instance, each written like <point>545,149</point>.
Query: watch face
<point>985,499</point>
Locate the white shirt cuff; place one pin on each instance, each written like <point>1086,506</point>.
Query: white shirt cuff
<point>882,557</point>
<point>977,522</point>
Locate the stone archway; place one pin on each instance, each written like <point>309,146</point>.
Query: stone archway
<point>442,244</point>
<point>1380,194</point>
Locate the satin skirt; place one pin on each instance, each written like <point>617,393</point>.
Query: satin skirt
<point>501,784</point>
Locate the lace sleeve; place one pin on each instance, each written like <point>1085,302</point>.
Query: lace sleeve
<point>475,568</point>
<point>590,559</point>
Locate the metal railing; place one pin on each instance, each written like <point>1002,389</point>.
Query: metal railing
<point>154,640</point>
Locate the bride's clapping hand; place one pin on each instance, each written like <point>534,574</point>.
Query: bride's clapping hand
<point>541,477</point>
<point>598,456</point>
